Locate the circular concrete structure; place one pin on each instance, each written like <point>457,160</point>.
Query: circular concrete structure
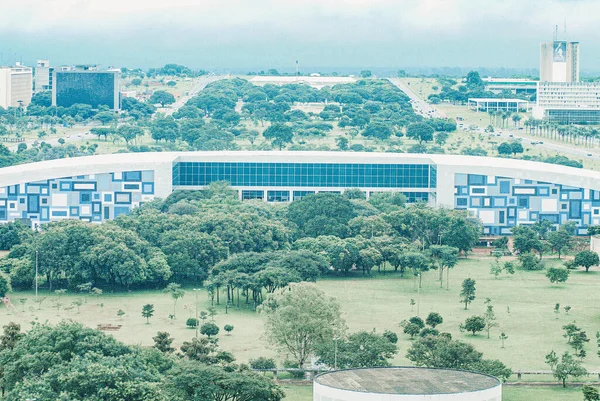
<point>406,384</point>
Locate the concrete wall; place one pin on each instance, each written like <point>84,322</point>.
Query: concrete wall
<point>324,393</point>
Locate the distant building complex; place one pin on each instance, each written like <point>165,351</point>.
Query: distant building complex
<point>15,86</point>
<point>561,97</point>
<point>86,85</point>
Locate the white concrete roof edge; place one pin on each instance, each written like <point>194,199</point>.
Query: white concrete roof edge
<point>136,161</point>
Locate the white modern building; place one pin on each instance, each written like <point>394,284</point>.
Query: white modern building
<point>559,61</point>
<point>518,86</point>
<point>405,384</point>
<point>502,193</point>
<point>495,104</point>
<point>15,86</point>
<point>568,103</point>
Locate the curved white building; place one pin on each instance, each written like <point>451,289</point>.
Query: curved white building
<point>502,193</point>
<point>405,384</point>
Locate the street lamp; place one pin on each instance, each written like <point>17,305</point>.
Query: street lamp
<point>36,274</point>
<point>197,321</point>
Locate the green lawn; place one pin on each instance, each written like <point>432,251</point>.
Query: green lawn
<point>380,303</point>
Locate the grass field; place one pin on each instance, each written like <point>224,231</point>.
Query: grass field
<point>380,302</point>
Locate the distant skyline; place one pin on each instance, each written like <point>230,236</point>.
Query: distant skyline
<point>321,34</point>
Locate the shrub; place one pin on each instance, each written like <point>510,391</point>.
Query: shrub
<point>391,336</point>
<point>228,328</point>
<point>209,329</point>
<point>192,323</point>
<point>262,363</point>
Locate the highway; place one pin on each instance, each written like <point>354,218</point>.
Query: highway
<point>200,85</point>
<point>427,110</point>
<point>420,106</point>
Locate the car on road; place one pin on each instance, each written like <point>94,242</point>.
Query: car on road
<point>589,154</point>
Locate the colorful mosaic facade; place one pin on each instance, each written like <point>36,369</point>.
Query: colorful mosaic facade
<point>95,197</point>
<point>502,203</point>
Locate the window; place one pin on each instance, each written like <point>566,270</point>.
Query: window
<point>85,197</point>
<point>305,174</point>
<point>461,202</point>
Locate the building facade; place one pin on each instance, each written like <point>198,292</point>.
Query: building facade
<point>43,76</point>
<point>15,86</point>
<point>559,61</point>
<point>96,88</point>
<point>514,85</point>
<point>568,103</point>
<point>502,193</point>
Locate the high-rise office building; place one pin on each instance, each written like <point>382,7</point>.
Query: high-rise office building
<point>86,86</point>
<point>559,61</point>
<point>15,86</point>
<point>43,76</point>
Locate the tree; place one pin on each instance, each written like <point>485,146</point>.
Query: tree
<point>565,367</point>
<point>105,117</point>
<point>412,329</point>
<point>129,132</point>
<point>590,393</point>
<point>280,134</point>
<point>162,97</point>
<point>467,292</point>
<point>421,132</point>
<point>136,82</point>
<point>473,80</point>
<point>442,352</point>
<point>228,328</point>
<point>322,214</point>
<point>5,286</point>
<point>504,148</point>
<point>461,233</point>
<point>490,318</point>
<point>163,341</point>
<point>525,240</point>
<point>176,292</point>
<point>441,138</point>
<point>165,128</point>
<point>191,380</point>
<point>10,336</point>
<point>560,240</point>
<point>474,324</point>
<point>192,322</point>
<point>360,350</point>
<point>148,312</point>
<point>299,317</point>
<point>365,73</point>
<point>90,365</point>
<point>516,147</point>
<point>434,319</point>
<point>587,259</point>
<point>209,329</point>
<point>557,275</point>
<point>377,129</point>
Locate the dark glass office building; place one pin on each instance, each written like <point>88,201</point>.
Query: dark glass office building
<point>96,88</point>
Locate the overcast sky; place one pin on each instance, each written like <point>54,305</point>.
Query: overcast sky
<point>274,33</point>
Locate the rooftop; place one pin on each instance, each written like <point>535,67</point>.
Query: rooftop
<point>491,100</point>
<point>407,380</point>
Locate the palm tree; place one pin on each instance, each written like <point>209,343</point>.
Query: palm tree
<point>516,118</point>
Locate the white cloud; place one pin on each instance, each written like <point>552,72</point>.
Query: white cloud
<point>422,15</point>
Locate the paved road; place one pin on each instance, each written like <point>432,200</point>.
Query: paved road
<point>420,106</point>
<point>200,84</point>
<point>73,137</point>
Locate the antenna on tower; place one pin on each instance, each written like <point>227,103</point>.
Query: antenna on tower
<point>297,71</point>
